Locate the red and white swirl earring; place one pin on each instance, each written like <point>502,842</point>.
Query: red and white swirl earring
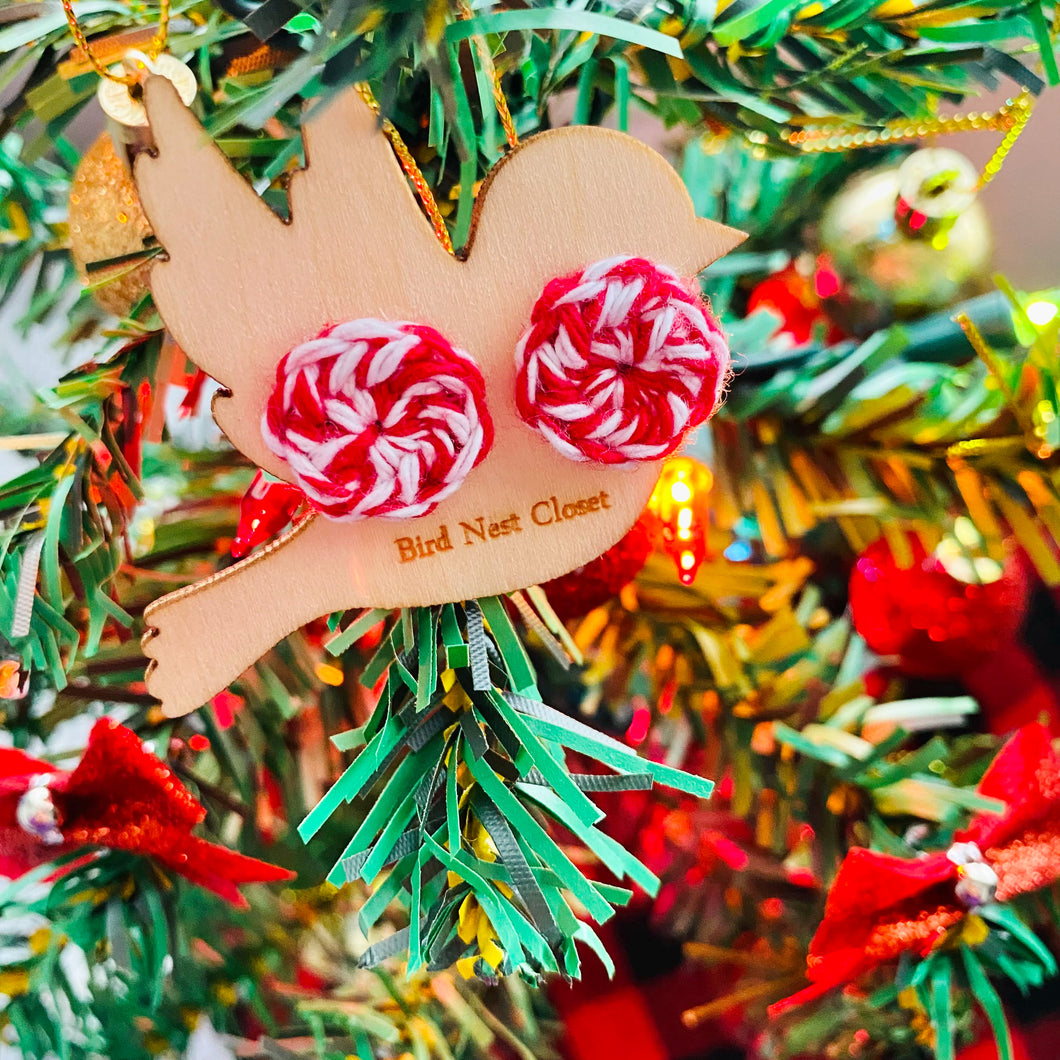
<point>378,418</point>
<point>619,362</point>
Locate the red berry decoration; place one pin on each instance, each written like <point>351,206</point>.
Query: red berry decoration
<point>593,584</point>
<point>620,361</point>
<point>936,624</point>
<point>378,418</point>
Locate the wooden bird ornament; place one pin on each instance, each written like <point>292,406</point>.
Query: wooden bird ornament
<point>250,297</point>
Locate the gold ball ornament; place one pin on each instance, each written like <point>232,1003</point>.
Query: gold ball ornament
<point>906,240</point>
<point>106,221</point>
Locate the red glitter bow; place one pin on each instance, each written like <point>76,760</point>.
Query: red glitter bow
<point>119,796</point>
<point>881,906</point>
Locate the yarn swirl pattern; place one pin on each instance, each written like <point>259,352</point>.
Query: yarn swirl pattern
<point>619,362</point>
<point>378,418</point>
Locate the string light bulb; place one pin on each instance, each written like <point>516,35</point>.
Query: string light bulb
<point>680,503</point>
<point>1041,313</point>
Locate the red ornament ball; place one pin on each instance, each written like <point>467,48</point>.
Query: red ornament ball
<point>577,593</point>
<point>936,624</point>
<point>796,299</point>
<point>620,361</point>
<point>378,418</point>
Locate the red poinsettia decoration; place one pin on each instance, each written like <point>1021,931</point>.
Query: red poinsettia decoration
<point>882,906</point>
<point>119,796</point>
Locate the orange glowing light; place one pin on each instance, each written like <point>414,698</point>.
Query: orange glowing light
<point>681,504</point>
<point>329,674</point>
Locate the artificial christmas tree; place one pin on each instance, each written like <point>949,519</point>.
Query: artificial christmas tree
<point>402,322</point>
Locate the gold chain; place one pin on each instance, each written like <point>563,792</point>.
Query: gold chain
<point>153,50</point>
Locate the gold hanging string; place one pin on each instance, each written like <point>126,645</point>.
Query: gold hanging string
<point>158,45</point>
<point>408,163</point>
<point>412,171</point>
<point>153,50</point>
<point>490,70</point>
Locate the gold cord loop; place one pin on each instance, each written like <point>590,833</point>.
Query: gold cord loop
<point>412,171</point>
<point>490,70</point>
<point>153,49</point>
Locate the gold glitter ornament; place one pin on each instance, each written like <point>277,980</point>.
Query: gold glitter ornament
<point>107,222</point>
<point>905,240</point>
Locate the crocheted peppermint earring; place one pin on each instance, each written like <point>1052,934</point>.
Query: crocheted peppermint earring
<point>378,418</point>
<point>619,362</point>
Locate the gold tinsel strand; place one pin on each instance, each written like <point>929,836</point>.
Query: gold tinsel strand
<point>892,938</point>
<point>264,57</point>
<point>839,135</point>
<point>1020,111</point>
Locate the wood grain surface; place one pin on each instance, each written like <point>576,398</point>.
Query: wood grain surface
<point>239,288</point>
